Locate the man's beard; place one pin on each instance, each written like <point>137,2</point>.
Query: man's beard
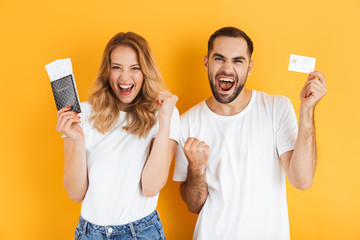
<point>238,88</point>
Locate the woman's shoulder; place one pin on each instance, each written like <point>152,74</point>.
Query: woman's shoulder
<point>86,109</point>
<point>175,112</point>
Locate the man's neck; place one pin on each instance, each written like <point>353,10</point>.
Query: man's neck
<point>229,109</point>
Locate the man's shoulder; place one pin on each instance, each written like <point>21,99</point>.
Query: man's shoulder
<point>196,109</point>
<point>272,98</point>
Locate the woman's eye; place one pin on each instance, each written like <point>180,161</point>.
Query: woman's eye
<point>115,67</point>
<point>135,68</point>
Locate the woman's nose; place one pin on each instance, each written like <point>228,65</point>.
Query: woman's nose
<point>125,74</point>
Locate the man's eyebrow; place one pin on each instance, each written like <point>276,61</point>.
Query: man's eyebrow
<point>218,55</point>
<point>239,58</point>
<point>234,59</point>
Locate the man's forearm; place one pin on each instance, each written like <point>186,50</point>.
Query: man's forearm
<point>194,191</point>
<point>303,161</point>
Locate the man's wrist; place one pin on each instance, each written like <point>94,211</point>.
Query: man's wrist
<point>197,170</point>
<point>306,111</point>
<point>306,119</point>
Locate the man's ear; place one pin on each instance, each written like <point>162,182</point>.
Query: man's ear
<point>250,67</point>
<point>206,63</point>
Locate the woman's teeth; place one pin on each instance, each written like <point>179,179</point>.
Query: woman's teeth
<point>125,88</point>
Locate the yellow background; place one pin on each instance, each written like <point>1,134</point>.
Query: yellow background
<point>34,204</point>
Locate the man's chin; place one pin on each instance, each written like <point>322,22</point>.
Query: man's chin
<point>227,98</point>
<point>224,100</point>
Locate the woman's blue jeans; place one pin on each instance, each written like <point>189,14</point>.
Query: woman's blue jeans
<point>147,228</point>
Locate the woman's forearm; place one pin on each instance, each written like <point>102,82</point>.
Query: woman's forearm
<point>75,170</point>
<point>156,169</point>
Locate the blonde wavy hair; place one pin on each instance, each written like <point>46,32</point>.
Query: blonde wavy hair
<point>141,113</point>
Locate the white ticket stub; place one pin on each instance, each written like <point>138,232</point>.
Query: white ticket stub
<point>301,64</point>
<point>59,69</point>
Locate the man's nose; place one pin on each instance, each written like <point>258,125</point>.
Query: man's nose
<point>228,67</point>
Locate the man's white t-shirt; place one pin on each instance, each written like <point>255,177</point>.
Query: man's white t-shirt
<point>247,190</point>
<point>115,163</point>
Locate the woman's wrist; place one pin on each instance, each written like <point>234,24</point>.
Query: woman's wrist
<point>164,120</point>
<point>79,143</point>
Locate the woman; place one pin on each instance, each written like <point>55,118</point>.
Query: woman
<point>117,161</point>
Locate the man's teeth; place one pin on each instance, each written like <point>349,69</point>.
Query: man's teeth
<point>226,80</point>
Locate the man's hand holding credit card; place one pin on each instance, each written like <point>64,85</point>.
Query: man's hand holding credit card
<point>315,87</point>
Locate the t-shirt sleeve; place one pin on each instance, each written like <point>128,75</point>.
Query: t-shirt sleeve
<point>287,127</point>
<point>175,125</point>
<point>181,162</point>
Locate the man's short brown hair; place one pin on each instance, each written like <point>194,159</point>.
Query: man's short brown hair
<point>230,32</point>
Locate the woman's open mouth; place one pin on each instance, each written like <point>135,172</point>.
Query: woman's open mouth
<point>126,89</point>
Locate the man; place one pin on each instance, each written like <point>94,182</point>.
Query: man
<point>238,145</point>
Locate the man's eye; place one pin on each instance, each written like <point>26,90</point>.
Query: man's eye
<point>238,61</point>
<point>218,59</point>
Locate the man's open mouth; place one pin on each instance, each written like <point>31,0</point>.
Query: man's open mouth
<point>225,84</point>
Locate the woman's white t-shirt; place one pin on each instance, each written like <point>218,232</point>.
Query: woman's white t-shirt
<point>115,163</point>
